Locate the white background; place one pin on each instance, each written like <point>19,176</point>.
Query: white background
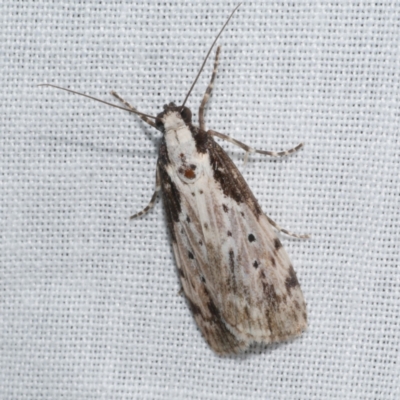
<point>89,303</point>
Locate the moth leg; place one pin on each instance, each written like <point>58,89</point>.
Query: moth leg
<point>130,107</point>
<point>249,149</point>
<point>278,228</point>
<point>207,94</point>
<point>153,198</point>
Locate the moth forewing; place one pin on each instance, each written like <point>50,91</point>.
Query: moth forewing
<point>237,277</point>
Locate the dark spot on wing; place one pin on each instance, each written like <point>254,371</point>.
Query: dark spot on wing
<point>188,219</point>
<point>203,279</point>
<point>305,316</point>
<point>232,260</point>
<point>232,284</point>
<point>269,291</point>
<point>193,167</point>
<point>194,307</point>
<point>272,324</point>
<point>190,254</point>
<point>251,238</point>
<point>242,213</point>
<point>205,225</point>
<point>192,194</point>
<point>277,244</point>
<point>229,233</point>
<point>213,310</point>
<point>273,262</point>
<point>225,208</point>
<point>200,191</point>
<point>291,281</point>
<point>181,273</point>
<point>189,173</point>
<point>200,242</point>
<point>296,304</point>
<point>255,264</point>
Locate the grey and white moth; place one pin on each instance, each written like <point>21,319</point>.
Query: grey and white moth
<point>237,278</point>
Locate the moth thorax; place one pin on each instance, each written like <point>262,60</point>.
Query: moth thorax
<point>173,121</point>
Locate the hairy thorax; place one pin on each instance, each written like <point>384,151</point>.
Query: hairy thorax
<point>185,160</point>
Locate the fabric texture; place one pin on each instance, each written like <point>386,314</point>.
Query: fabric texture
<point>89,301</point>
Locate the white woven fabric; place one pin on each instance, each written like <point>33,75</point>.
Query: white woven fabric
<point>89,303</point>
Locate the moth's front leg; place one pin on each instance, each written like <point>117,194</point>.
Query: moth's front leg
<point>153,198</point>
<point>130,107</point>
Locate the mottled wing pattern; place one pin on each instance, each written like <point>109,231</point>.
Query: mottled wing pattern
<point>236,276</point>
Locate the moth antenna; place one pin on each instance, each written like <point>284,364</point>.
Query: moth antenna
<point>99,100</point>
<point>208,54</point>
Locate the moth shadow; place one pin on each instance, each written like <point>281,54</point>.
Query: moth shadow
<point>257,349</point>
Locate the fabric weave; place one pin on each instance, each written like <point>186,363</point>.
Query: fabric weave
<point>89,304</point>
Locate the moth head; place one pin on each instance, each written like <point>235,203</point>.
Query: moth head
<point>173,115</point>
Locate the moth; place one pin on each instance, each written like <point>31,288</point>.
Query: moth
<point>236,276</point>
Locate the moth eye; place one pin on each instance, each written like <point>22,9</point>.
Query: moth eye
<point>159,125</point>
<point>186,115</point>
